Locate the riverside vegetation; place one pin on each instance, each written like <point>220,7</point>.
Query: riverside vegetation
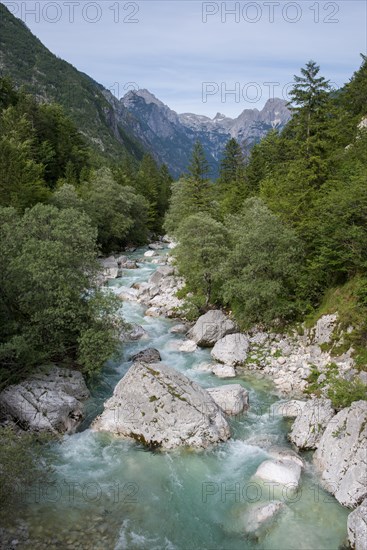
<point>282,238</point>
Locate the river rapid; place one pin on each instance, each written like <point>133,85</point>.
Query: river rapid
<point>110,493</point>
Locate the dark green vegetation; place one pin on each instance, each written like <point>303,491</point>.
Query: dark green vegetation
<point>57,212</point>
<point>279,238</point>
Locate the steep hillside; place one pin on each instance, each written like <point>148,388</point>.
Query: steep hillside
<point>30,64</point>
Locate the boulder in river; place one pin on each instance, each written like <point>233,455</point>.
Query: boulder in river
<point>282,472</point>
<point>160,407</point>
<point>149,355</point>
<point>341,456</point>
<point>232,349</point>
<point>188,346</point>
<point>260,516</point>
<point>311,422</point>
<point>211,327</point>
<point>124,262</point>
<point>357,527</point>
<point>48,401</point>
<point>232,398</point>
<point>223,371</point>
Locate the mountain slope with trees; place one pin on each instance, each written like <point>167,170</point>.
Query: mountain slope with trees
<point>294,217</point>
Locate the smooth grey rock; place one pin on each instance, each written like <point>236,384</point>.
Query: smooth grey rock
<point>149,355</point>
<point>210,328</point>
<point>137,332</point>
<point>150,253</point>
<point>324,328</point>
<point>357,527</point>
<point>223,371</point>
<point>278,471</point>
<point>259,516</point>
<point>231,350</point>
<point>180,328</point>
<point>188,346</point>
<point>311,423</point>
<point>284,454</point>
<point>341,457</point>
<point>232,399</point>
<point>124,262</point>
<point>50,400</point>
<point>160,407</point>
<point>128,294</point>
<point>160,273</point>
<point>155,246</point>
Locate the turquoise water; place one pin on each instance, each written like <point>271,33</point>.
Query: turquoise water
<point>109,493</point>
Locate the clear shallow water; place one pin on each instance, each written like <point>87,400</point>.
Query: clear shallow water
<point>110,493</point>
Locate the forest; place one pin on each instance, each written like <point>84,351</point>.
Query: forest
<point>277,239</point>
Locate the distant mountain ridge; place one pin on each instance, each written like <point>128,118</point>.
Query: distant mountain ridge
<point>134,124</point>
<point>174,134</point>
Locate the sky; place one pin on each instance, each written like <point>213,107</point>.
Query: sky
<point>201,57</point>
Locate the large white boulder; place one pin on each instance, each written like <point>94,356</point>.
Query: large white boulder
<point>280,472</point>
<point>357,527</point>
<point>160,407</point>
<point>341,457</point>
<point>232,349</point>
<point>311,422</point>
<point>210,328</point>
<point>223,371</point>
<point>50,401</point>
<point>232,398</point>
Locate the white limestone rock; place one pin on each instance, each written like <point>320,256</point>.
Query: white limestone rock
<point>233,399</point>
<point>231,350</point>
<point>160,407</point>
<point>50,401</point>
<point>281,472</point>
<point>357,527</point>
<point>341,456</point>
<point>223,371</point>
<point>211,327</point>
<point>310,424</point>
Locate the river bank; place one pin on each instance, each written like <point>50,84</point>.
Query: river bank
<point>127,497</point>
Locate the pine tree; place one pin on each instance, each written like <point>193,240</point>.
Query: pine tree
<point>232,186</point>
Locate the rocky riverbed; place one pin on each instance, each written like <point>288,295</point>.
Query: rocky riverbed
<point>182,386</point>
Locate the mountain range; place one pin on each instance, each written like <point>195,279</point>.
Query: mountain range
<point>134,124</point>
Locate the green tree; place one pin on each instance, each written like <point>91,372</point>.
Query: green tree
<point>118,212</point>
<point>202,248</point>
<point>262,268</point>
<point>50,305</point>
<point>232,185</point>
<point>21,176</point>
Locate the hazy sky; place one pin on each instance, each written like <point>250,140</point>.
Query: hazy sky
<point>192,54</point>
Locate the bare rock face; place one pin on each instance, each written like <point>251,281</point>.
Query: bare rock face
<point>231,350</point>
<point>210,328</point>
<point>160,407</point>
<point>48,401</point>
<point>341,456</point>
<point>357,527</point>
<point>311,422</point>
<point>232,398</point>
